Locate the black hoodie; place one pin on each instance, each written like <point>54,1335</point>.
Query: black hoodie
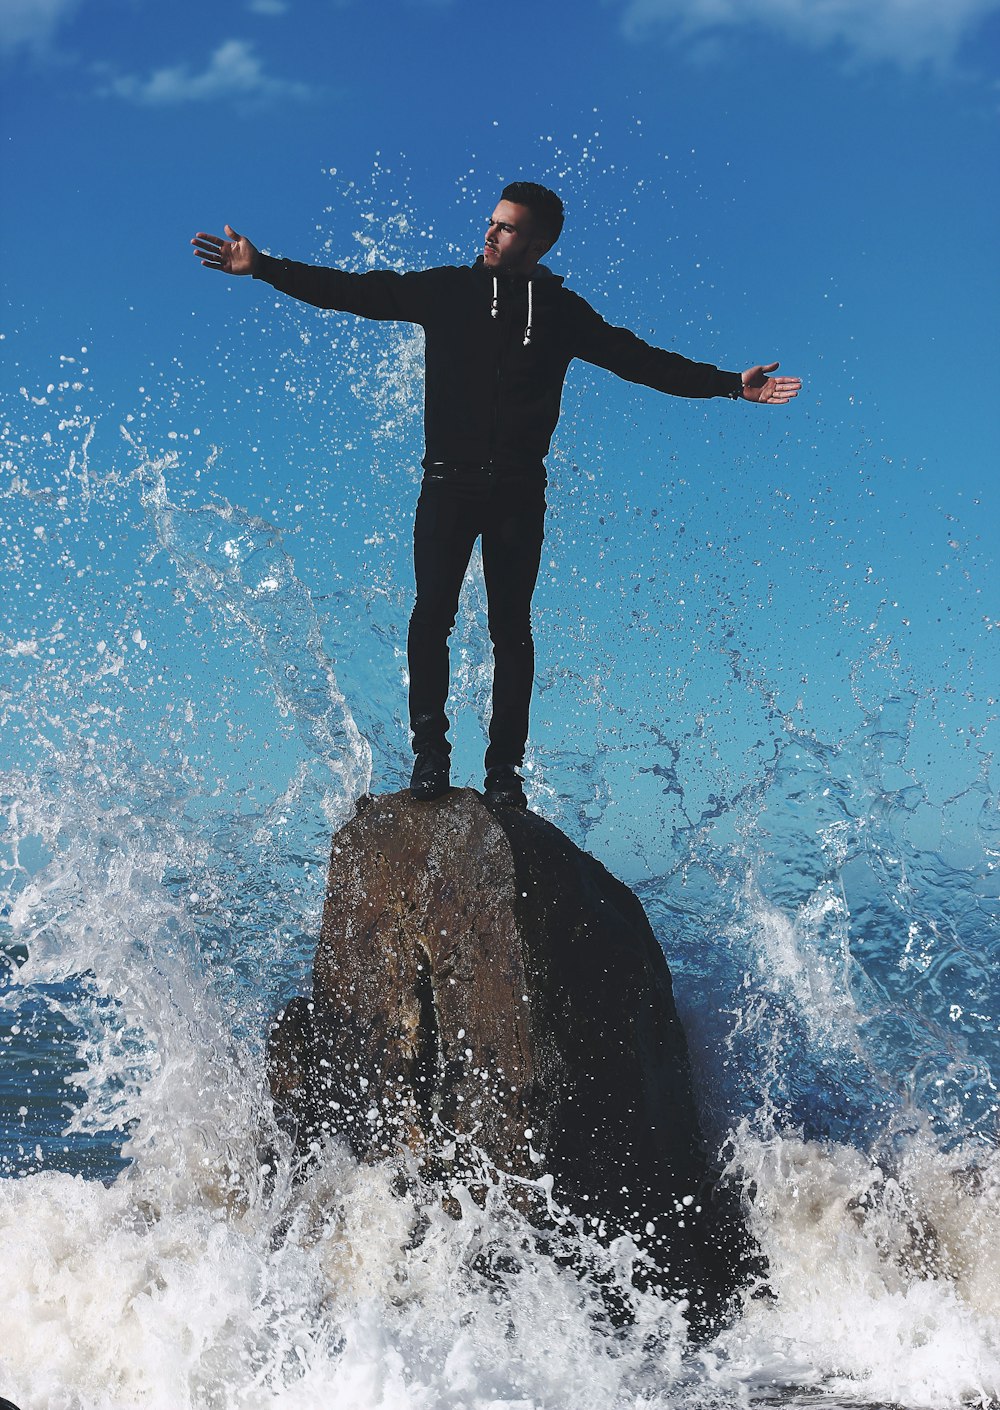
<point>497,350</point>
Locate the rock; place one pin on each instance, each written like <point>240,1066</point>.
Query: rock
<point>479,975</point>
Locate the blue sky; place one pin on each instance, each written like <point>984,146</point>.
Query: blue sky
<point>794,179</point>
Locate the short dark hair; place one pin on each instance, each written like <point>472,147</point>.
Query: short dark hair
<point>545,206</point>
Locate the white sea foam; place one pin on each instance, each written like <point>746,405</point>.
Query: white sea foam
<point>346,1288</point>
<point>886,1286</point>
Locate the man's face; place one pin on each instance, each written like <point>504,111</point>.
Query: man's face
<point>512,240</point>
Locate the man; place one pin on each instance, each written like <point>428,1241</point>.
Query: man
<point>500,335</point>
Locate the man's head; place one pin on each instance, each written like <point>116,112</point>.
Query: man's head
<point>525,224</point>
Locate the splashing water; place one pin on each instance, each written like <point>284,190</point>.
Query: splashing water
<point>797,782</point>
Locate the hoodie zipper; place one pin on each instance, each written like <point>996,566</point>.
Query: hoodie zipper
<point>503,316</point>
<point>502,312</point>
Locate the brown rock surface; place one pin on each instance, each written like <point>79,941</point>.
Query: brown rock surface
<point>478,974</point>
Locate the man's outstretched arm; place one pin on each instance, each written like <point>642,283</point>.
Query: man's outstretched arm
<point>233,256</point>
<point>759,386</point>
<point>627,356</point>
<point>379,293</point>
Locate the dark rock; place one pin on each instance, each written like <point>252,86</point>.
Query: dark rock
<point>477,974</point>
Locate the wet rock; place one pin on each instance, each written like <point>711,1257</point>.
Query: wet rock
<point>479,976</point>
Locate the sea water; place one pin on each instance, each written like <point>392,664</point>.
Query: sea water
<point>746,706</point>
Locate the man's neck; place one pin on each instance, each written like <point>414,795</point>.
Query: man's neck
<point>513,273</point>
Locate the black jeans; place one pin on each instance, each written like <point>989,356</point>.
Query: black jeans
<point>457,506</point>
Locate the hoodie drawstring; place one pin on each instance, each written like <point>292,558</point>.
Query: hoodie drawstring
<point>495,308</point>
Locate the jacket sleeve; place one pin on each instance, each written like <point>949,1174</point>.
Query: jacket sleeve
<point>627,356</point>
<point>381,293</point>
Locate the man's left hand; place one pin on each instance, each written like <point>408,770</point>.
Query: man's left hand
<point>759,385</point>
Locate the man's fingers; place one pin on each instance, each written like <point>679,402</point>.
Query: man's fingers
<point>775,391</point>
<point>760,387</point>
<point>209,249</point>
<point>233,236</point>
<point>212,250</point>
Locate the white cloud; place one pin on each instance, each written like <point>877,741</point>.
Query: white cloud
<point>268,7</point>
<point>31,24</point>
<point>910,33</point>
<point>233,71</point>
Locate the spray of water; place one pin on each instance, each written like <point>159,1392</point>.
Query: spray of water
<point>197,688</point>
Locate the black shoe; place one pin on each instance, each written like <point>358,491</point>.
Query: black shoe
<point>504,785</point>
<point>431,775</point>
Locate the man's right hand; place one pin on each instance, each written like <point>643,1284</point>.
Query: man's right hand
<point>235,255</point>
